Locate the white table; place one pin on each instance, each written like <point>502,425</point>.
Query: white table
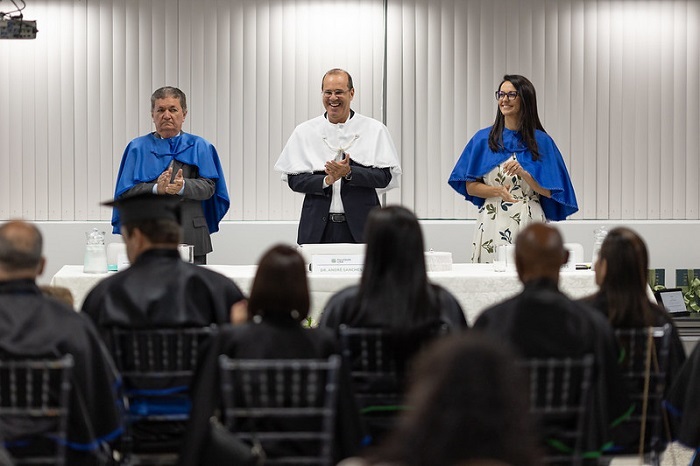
<point>476,286</point>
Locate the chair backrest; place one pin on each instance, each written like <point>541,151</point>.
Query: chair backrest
<point>34,399</point>
<point>644,363</point>
<point>379,361</point>
<point>158,363</point>
<point>157,366</point>
<point>289,406</point>
<point>559,390</point>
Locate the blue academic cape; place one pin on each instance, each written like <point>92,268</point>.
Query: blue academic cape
<point>146,157</point>
<point>549,170</point>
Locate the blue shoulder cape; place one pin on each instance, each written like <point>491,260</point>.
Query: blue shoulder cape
<point>146,157</point>
<point>549,170</point>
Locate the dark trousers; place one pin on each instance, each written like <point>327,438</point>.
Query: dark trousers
<point>337,233</point>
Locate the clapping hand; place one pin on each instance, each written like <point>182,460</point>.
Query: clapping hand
<point>166,186</point>
<point>337,170</point>
<point>177,184</point>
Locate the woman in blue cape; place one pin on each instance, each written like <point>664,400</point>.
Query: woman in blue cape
<point>512,171</point>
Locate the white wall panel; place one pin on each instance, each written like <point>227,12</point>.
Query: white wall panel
<point>616,81</point>
<point>614,89</point>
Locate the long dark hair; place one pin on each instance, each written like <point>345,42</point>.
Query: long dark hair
<point>394,282</point>
<point>529,119</point>
<point>280,287</point>
<point>467,403</point>
<point>625,282</point>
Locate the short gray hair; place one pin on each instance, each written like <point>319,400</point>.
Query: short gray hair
<point>21,245</point>
<point>169,91</point>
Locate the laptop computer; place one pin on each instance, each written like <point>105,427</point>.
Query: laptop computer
<point>672,300</point>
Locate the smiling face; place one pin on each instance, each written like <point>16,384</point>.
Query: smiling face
<point>510,108</point>
<point>168,116</point>
<point>337,97</point>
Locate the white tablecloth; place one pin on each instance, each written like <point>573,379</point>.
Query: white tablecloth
<point>476,286</point>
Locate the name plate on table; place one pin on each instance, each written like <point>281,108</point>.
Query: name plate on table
<point>337,263</point>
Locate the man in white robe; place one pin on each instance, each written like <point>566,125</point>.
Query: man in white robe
<point>340,161</point>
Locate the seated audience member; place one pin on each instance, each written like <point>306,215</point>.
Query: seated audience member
<point>394,294</point>
<point>394,291</point>
<point>34,325</point>
<point>542,322</point>
<point>683,404</point>
<point>621,274</point>
<point>468,408</point>
<point>278,304</point>
<point>159,289</point>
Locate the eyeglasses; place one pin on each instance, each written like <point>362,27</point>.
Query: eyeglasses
<point>337,92</point>
<point>506,95</point>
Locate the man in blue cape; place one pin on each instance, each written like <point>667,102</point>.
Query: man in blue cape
<point>171,162</point>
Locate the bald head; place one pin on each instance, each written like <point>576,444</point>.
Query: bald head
<point>539,252</point>
<point>20,250</point>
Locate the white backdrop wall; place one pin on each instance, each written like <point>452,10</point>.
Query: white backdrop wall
<point>617,83</point>
<point>617,86</point>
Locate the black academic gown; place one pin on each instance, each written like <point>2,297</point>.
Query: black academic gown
<point>406,342</point>
<point>342,309</point>
<point>683,401</point>
<point>266,339</point>
<point>160,290</point>
<point>628,434</point>
<point>34,325</point>
<point>542,322</point>
<point>676,355</point>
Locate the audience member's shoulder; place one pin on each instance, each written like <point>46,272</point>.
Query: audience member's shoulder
<point>346,293</point>
<point>211,275</point>
<point>336,310</point>
<point>451,311</point>
<point>593,315</point>
<point>661,315</point>
<point>60,307</point>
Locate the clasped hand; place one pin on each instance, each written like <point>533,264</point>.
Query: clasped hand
<point>337,170</point>
<point>166,186</point>
<point>504,193</point>
<point>513,167</point>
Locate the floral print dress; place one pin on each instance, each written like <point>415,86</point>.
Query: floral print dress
<point>499,221</point>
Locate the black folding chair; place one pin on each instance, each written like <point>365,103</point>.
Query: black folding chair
<point>34,398</point>
<point>379,361</point>
<point>559,389</point>
<point>287,406</point>
<point>644,363</point>
<point>157,366</point>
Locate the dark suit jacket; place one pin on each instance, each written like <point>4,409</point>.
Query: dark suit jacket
<point>194,224</point>
<point>359,196</point>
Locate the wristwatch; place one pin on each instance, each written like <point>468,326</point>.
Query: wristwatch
<point>348,177</point>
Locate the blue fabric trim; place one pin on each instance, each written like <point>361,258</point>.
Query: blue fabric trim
<point>549,170</point>
<point>93,445</point>
<point>146,157</point>
<point>671,409</point>
<point>158,406</point>
<point>158,392</point>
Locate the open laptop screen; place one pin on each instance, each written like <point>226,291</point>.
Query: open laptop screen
<point>672,300</point>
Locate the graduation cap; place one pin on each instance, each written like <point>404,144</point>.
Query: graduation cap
<point>146,207</point>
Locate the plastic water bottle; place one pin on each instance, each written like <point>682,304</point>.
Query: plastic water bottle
<point>599,235</point>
